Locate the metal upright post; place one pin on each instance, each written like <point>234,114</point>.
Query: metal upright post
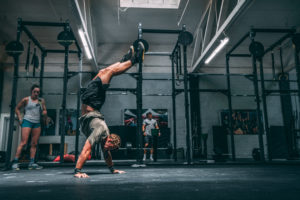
<point>78,109</point>
<point>139,102</point>
<point>264,101</point>
<point>176,57</point>
<point>258,114</point>
<point>1,87</point>
<point>13,99</point>
<point>179,60</point>
<point>186,103</point>
<point>174,107</point>
<point>44,54</point>
<point>230,109</point>
<point>297,66</point>
<point>273,65</point>
<point>63,106</point>
<point>195,108</point>
<point>77,124</point>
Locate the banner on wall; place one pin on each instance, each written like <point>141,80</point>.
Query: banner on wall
<point>244,122</point>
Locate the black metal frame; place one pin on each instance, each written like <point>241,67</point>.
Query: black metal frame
<point>140,82</point>
<point>176,52</point>
<point>138,90</point>
<point>176,62</point>
<point>22,27</point>
<point>139,103</point>
<point>251,35</point>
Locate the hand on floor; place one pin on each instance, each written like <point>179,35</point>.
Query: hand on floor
<point>81,175</point>
<point>119,172</point>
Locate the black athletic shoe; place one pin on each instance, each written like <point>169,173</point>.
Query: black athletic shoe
<point>139,54</point>
<point>129,55</point>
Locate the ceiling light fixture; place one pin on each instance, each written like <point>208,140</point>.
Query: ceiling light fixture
<point>217,50</point>
<point>84,43</point>
<point>167,4</point>
<point>85,37</point>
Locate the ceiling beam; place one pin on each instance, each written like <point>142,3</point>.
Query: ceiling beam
<point>209,25</point>
<point>198,33</point>
<point>241,4</point>
<point>86,27</point>
<point>223,13</point>
<point>197,45</point>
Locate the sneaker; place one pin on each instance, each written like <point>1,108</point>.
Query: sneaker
<point>151,158</point>
<point>140,52</point>
<point>15,166</point>
<point>129,54</point>
<point>34,166</point>
<point>144,159</point>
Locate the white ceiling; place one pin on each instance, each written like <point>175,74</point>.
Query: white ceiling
<point>109,27</point>
<point>114,25</point>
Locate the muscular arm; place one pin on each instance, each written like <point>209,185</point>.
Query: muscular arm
<point>86,151</point>
<point>109,162</point>
<point>144,129</point>
<point>157,127</point>
<point>44,109</point>
<point>108,158</point>
<point>19,106</point>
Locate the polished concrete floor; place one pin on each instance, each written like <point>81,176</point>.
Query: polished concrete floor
<point>232,182</point>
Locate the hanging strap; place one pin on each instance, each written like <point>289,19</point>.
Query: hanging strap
<point>27,60</point>
<point>32,60</point>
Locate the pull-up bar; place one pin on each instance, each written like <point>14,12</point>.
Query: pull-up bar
<point>160,31</point>
<point>54,24</point>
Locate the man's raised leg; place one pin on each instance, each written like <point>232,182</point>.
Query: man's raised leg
<point>120,67</point>
<point>115,69</point>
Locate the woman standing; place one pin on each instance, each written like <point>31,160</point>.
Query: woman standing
<point>34,108</point>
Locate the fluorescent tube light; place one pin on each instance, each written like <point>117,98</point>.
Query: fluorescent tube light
<point>214,53</point>
<point>85,44</point>
<point>166,4</point>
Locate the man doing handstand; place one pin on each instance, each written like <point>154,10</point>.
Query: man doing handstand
<point>92,121</point>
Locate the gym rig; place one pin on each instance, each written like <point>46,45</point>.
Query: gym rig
<point>185,38</point>
<point>67,38</point>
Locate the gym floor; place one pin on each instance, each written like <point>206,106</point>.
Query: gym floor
<point>156,182</point>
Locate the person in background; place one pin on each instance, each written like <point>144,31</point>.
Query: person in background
<point>34,109</point>
<point>149,124</point>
